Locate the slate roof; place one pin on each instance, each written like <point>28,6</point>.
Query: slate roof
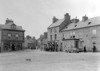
<point>8,26</point>
<point>81,24</point>
<point>57,23</point>
<point>29,40</point>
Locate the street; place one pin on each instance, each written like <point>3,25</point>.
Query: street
<point>36,60</point>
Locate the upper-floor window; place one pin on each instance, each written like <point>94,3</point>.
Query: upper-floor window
<point>55,36</point>
<point>9,35</point>
<point>94,31</point>
<point>17,35</point>
<point>89,23</point>
<point>55,30</point>
<point>13,26</point>
<point>72,35</point>
<point>51,37</point>
<point>63,37</point>
<point>50,30</point>
<point>75,25</point>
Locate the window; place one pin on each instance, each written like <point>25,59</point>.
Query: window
<point>17,35</point>
<point>51,37</point>
<point>55,36</point>
<point>13,26</point>
<point>70,36</point>
<point>73,36</point>
<point>55,30</point>
<point>94,31</point>
<point>50,30</point>
<point>9,35</point>
<point>73,33</point>
<point>89,23</point>
<point>75,25</point>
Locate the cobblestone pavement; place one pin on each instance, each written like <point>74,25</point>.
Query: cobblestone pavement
<point>36,60</point>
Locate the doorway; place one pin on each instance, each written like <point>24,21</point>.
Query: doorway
<point>13,47</point>
<point>76,44</point>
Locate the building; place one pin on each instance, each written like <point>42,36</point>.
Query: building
<point>80,34</point>
<point>54,32</point>
<point>11,36</point>
<point>73,33</point>
<point>42,41</point>
<point>30,43</point>
<point>45,41</point>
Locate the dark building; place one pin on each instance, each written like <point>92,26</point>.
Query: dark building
<point>11,36</point>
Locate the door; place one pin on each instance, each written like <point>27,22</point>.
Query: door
<point>76,43</point>
<point>13,47</point>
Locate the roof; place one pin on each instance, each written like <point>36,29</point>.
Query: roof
<point>29,40</point>
<point>57,23</point>
<point>8,26</point>
<point>81,24</point>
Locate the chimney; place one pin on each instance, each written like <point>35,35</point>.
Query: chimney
<point>75,20</point>
<point>84,18</point>
<point>8,21</point>
<point>54,19</point>
<point>67,17</point>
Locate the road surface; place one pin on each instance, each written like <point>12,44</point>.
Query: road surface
<point>36,60</point>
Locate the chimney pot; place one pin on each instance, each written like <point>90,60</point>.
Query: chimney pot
<point>84,18</point>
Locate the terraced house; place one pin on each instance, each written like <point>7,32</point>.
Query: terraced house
<point>11,36</point>
<point>79,34</point>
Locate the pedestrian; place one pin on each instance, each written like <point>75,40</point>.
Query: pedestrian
<point>94,48</point>
<point>84,48</point>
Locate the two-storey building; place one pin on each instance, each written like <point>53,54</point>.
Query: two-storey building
<point>11,36</point>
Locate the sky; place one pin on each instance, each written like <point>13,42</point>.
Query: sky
<point>36,15</point>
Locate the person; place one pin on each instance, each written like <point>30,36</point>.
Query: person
<point>94,48</point>
<point>84,48</point>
